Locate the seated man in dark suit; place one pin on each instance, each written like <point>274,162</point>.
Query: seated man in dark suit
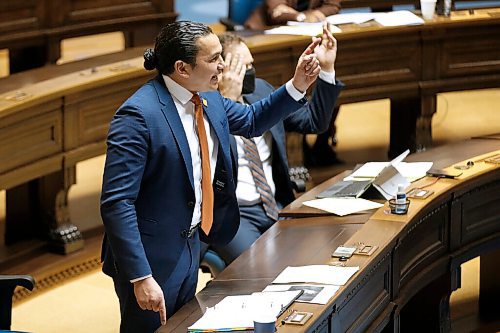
<point>261,164</point>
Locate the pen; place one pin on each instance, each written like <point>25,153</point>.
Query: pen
<point>283,322</point>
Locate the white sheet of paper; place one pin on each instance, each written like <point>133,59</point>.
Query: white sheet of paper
<point>356,18</point>
<point>324,274</point>
<point>398,18</point>
<point>307,29</point>
<point>413,170</point>
<point>368,170</point>
<point>410,170</point>
<point>342,206</point>
<point>313,293</point>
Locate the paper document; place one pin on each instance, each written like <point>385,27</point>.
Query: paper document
<point>313,293</point>
<point>410,170</point>
<point>398,18</point>
<point>236,313</point>
<point>303,29</point>
<point>356,18</point>
<point>324,274</point>
<point>342,206</point>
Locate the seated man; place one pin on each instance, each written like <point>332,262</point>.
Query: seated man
<point>278,12</point>
<point>261,164</point>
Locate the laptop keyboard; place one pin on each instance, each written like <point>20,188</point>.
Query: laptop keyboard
<point>344,189</point>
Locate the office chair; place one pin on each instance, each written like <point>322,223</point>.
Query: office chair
<point>238,12</point>
<point>210,261</point>
<point>8,284</point>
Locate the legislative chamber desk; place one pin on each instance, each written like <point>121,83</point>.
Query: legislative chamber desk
<point>54,117</point>
<point>32,31</point>
<point>405,285</point>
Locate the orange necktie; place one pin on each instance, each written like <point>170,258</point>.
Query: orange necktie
<point>207,192</point>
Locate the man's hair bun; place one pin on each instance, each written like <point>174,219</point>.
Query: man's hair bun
<point>149,59</point>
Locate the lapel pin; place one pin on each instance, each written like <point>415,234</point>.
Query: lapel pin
<point>205,102</point>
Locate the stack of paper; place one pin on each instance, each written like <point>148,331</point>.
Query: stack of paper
<point>303,29</point>
<point>356,18</point>
<point>342,206</point>
<point>236,313</point>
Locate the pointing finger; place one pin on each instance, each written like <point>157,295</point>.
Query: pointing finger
<point>163,312</point>
<point>310,48</point>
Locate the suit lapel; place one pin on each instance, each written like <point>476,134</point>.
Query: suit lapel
<point>174,121</point>
<point>216,122</point>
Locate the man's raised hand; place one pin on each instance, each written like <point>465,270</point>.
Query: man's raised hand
<point>308,67</point>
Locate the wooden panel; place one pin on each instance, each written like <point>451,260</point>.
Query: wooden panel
<point>423,242</point>
<point>88,113</point>
<point>30,139</point>
<point>20,16</point>
<point>373,290</point>
<point>378,61</point>
<point>276,67</point>
<point>40,168</point>
<point>480,55</point>
<point>79,11</point>
<point>480,213</point>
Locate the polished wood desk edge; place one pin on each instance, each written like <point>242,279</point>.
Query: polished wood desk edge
<point>19,80</point>
<point>58,87</point>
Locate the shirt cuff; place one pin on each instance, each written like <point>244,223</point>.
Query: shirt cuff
<point>141,278</point>
<point>293,92</point>
<point>328,77</point>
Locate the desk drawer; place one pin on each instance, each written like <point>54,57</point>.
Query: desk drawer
<point>366,301</point>
<point>480,55</point>
<point>20,17</point>
<point>424,242</point>
<point>373,61</point>
<point>478,213</point>
<point>88,113</point>
<point>30,136</point>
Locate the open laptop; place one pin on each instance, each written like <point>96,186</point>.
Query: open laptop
<point>385,182</point>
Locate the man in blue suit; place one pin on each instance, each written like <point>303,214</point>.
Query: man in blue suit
<point>165,144</point>
<point>239,84</point>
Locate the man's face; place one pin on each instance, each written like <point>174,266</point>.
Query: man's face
<point>209,65</point>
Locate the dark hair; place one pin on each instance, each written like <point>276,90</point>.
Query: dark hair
<point>176,41</point>
<point>227,39</point>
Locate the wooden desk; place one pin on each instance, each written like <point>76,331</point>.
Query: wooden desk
<point>33,30</point>
<point>54,117</point>
<point>50,119</point>
<point>409,65</point>
<point>285,243</point>
<point>405,285</point>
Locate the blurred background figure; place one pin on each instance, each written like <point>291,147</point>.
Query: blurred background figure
<point>278,12</point>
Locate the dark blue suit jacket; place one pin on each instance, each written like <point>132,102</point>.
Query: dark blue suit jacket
<point>147,195</point>
<point>314,117</point>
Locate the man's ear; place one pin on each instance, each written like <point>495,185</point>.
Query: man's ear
<point>182,69</point>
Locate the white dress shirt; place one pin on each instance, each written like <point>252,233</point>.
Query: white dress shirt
<point>185,108</point>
